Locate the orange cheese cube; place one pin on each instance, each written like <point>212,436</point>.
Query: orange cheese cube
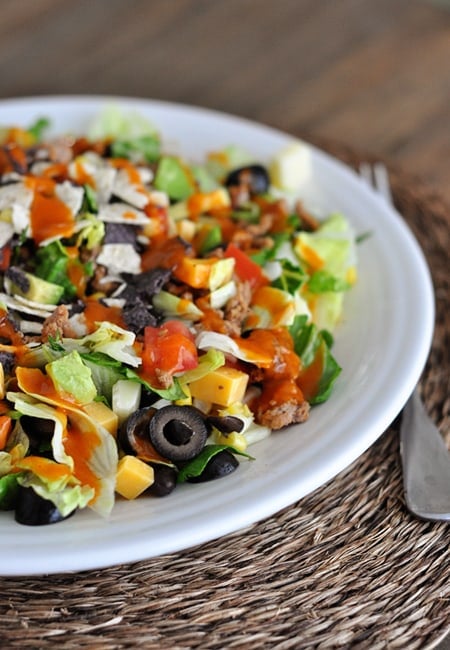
<point>223,386</point>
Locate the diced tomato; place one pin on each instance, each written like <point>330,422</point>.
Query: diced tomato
<point>245,268</point>
<point>168,350</point>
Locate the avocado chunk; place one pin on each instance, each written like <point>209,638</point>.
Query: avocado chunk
<point>33,288</point>
<point>174,179</point>
<point>71,376</point>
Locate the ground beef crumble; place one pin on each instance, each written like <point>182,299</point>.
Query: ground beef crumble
<point>281,415</point>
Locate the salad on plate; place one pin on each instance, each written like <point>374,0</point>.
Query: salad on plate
<point>158,316</point>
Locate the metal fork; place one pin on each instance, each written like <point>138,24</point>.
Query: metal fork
<point>424,454</point>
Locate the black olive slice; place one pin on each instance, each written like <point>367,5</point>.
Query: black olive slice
<point>225,423</point>
<point>33,510</point>
<point>178,432</point>
<point>254,177</point>
<point>218,466</point>
<point>133,434</point>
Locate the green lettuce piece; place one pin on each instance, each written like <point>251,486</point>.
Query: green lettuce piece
<point>322,282</point>
<point>92,234</point>
<point>205,180</point>
<point>328,308</point>
<point>313,346</point>
<point>52,263</point>
<point>334,243</point>
<point>67,498</point>
<point>110,339</point>
<point>38,128</point>
<point>292,277</point>
<point>102,461</point>
<point>9,488</point>
<point>107,371</point>
<point>173,306</point>
<point>174,392</point>
<point>70,375</point>
<point>173,178</point>
<point>118,123</point>
<point>212,240</point>
<point>90,203</point>
<point>306,340</point>
<point>28,405</point>
<point>220,163</point>
<point>5,463</point>
<point>207,363</point>
<point>248,212</point>
<point>144,148</point>
<point>268,254</point>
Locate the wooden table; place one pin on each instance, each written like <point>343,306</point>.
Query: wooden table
<point>374,74</point>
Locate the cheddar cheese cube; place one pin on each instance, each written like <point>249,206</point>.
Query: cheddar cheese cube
<point>223,386</point>
<point>103,415</point>
<point>133,477</point>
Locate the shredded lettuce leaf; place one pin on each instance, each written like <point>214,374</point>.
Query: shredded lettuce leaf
<point>101,461</point>
<point>110,339</point>
<point>313,347</point>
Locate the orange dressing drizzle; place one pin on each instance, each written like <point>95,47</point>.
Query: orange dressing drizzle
<point>77,275</point>
<point>309,378</point>
<point>95,313</point>
<point>80,445</point>
<point>133,174</point>
<point>81,175</point>
<point>33,382</point>
<point>50,217</point>
<point>45,468</point>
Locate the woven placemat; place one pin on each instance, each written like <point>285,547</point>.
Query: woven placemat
<point>344,567</point>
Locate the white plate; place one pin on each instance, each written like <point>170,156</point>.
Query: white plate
<point>382,347</point>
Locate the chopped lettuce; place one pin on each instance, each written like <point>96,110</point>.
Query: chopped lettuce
<point>251,431</point>
<point>38,128</point>
<point>329,256</point>
<point>106,371</point>
<point>71,376</point>
<point>28,405</point>
<point>145,148</point>
<point>207,363</point>
<point>66,498</point>
<point>173,178</point>
<point>110,339</point>
<point>52,263</point>
<point>9,487</point>
<point>205,180</point>
<point>98,456</point>
<point>220,163</point>
<point>330,248</point>
<point>115,123</point>
<point>319,368</point>
<point>292,277</point>
<point>174,307</point>
<point>93,232</point>
<point>323,282</point>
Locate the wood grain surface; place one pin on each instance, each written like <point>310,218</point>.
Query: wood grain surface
<point>373,74</point>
